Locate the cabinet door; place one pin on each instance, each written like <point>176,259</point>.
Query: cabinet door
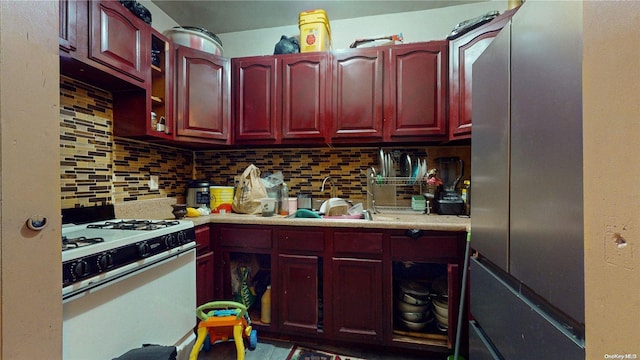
<point>357,299</point>
<point>161,95</point>
<point>298,295</point>
<point>256,103</point>
<point>203,102</point>
<point>304,96</point>
<point>67,29</point>
<point>464,52</point>
<point>119,40</point>
<point>203,239</point>
<point>204,279</point>
<point>357,94</point>
<point>415,105</point>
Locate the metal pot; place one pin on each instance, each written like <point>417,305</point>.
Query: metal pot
<point>196,38</point>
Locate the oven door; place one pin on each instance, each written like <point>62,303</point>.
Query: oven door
<point>155,305</point>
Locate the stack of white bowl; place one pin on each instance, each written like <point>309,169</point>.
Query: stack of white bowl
<point>441,312</point>
<point>441,303</point>
<point>413,305</point>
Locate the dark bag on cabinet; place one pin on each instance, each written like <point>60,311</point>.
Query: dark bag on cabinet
<point>287,45</point>
<point>138,10</point>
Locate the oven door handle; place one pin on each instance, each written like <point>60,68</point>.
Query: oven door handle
<point>128,271</point>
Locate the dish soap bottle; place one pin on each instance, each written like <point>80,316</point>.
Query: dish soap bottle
<point>265,306</point>
<point>466,196</point>
<point>284,199</point>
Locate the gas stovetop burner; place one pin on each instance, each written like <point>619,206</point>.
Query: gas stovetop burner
<point>134,225</point>
<point>78,242</point>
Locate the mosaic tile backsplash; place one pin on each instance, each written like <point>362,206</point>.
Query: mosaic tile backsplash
<point>98,168</point>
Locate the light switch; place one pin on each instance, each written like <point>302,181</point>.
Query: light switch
<point>153,182</point>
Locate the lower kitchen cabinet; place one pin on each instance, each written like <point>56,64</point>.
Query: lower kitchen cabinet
<point>356,283</point>
<point>204,265</point>
<point>431,259</point>
<point>245,250</point>
<point>299,297</point>
<point>204,278</point>
<point>356,303</point>
<point>299,285</point>
<point>341,284</point>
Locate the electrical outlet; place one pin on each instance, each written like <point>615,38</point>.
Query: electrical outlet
<point>153,182</point>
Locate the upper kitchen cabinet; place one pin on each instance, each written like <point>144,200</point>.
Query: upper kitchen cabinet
<point>391,94</point>
<point>68,26</point>
<point>416,92</point>
<point>119,40</point>
<point>281,99</point>
<point>357,108</point>
<point>463,52</point>
<point>104,44</point>
<point>148,114</point>
<point>305,96</point>
<point>254,96</point>
<point>202,98</point>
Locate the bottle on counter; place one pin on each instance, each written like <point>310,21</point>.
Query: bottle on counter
<point>265,306</point>
<point>466,196</point>
<point>284,199</point>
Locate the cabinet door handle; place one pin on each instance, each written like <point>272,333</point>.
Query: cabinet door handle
<point>414,233</point>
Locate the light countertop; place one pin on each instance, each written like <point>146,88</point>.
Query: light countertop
<point>380,221</point>
<point>161,209</point>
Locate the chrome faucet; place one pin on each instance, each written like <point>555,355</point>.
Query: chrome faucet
<point>333,186</point>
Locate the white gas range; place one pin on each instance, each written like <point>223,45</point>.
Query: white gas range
<point>131,282</point>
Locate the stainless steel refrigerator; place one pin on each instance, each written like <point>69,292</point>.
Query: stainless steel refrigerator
<point>527,269</point>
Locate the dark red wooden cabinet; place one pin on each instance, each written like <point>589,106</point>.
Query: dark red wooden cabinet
<point>299,280</point>
<point>357,97</point>
<point>298,293</point>
<point>416,101</point>
<point>280,99</point>
<point>463,52</point>
<point>68,26</point>
<point>339,284</point>
<point>255,100</point>
<point>392,94</point>
<point>204,266</point>
<point>203,101</point>
<point>357,304</point>
<point>119,40</point>
<point>305,97</point>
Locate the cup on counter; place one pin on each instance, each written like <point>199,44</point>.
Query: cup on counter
<point>293,204</point>
<point>268,206</point>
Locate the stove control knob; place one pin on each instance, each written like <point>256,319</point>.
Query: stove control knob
<point>170,241</point>
<point>182,238</point>
<point>105,261</point>
<point>79,269</point>
<point>144,249</point>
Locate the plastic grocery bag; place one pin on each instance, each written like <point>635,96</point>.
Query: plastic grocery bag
<point>246,295</point>
<point>249,191</point>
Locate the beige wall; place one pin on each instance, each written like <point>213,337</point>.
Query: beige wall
<point>415,26</point>
<point>611,105</point>
<point>30,305</point>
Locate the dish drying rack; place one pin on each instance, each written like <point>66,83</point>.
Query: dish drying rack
<point>383,193</point>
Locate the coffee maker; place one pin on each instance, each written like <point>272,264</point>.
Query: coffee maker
<point>447,199</point>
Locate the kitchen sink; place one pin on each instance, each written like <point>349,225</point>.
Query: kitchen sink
<point>310,214</point>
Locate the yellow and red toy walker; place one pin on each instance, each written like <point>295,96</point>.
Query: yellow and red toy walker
<point>223,321</point>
